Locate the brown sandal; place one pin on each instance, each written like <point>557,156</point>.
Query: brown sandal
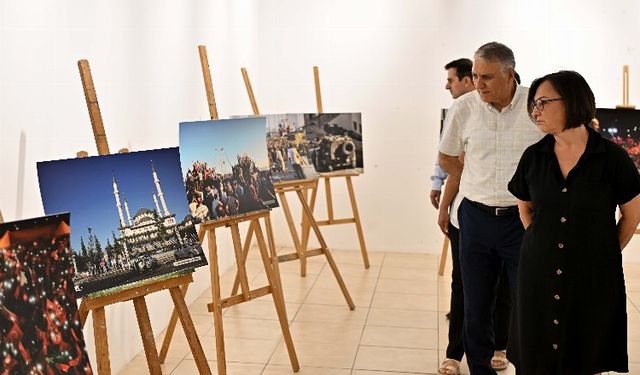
<point>449,367</point>
<point>499,361</point>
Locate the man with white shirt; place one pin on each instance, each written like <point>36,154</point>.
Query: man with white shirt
<point>492,127</point>
<point>460,82</point>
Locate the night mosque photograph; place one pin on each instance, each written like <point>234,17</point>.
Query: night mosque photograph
<point>130,216</point>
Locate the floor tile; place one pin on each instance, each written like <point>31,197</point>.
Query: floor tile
<point>188,366</point>
<point>407,286</point>
<point>306,370</point>
<point>315,354</point>
<point>325,332</point>
<point>417,338</point>
<point>240,350</point>
<point>408,273</point>
<point>396,359</point>
<point>331,314</point>
<point>404,301</point>
<point>403,318</point>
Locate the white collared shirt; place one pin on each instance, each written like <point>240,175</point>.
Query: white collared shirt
<point>493,142</point>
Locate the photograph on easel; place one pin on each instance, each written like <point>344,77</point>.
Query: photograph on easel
<point>40,330</point>
<point>226,168</point>
<point>335,141</point>
<point>288,148</point>
<point>622,126</point>
<point>131,219</point>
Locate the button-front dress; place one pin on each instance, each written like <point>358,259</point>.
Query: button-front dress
<point>570,315</point>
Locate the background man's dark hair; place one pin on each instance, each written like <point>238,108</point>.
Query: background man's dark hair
<point>577,97</point>
<point>462,67</point>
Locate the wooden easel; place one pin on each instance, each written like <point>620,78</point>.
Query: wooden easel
<point>268,258</point>
<point>137,293</point>
<point>272,272</point>
<point>625,89</point>
<point>299,187</point>
<point>327,177</point>
<point>443,255</point>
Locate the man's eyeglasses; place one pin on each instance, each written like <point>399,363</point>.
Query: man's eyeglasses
<point>540,103</point>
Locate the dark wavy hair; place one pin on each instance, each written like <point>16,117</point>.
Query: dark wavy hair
<point>579,101</point>
<point>462,67</point>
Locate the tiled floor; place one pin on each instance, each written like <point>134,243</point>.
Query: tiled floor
<point>398,326</point>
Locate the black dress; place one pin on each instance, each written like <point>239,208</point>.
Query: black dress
<point>570,315</point>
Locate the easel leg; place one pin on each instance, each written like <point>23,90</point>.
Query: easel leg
<point>171,328</point>
<point>240,262</point>
<point>273,254</point>
<point>245,253</point>
<point>278,298</point>
<point>327,190</point>
<point>83,313</point>
<point>142,313</point>
<point>327,253</point>
<point>166,343</point>
<point>443,255</point>
<point>101,340</point>
<point>189,330</point>
<point>294,233</point>
<point>217,303</point>
<point>306,227</point>
<point>356,216</point>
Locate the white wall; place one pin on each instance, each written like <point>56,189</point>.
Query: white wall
<point>383,58</point>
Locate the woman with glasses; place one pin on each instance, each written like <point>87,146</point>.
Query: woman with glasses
<point>570,309</point>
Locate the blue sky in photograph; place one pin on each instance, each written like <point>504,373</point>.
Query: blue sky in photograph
<point>84,187</point>
<point>200,139</point>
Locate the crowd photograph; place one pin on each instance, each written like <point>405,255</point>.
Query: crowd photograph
<point>225,167</point>
<point>288,148</point>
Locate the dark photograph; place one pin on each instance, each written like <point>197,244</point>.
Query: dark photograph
<point>40,329</point>
<point>622,126</point>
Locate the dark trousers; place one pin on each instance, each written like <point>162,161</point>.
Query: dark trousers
<point>455,349</point>
<point>486,243</point>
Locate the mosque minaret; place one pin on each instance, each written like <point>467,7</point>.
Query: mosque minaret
<point>116,193</point>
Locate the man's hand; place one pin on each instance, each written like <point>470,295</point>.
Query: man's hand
<point>443,220</point>
<point>435,198</point>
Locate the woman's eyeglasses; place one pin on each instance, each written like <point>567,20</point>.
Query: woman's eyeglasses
<point>540,103</point>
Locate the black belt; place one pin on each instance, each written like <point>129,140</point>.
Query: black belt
<point>496,211</point>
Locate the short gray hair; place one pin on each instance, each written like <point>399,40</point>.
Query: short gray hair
<point>494,51</point>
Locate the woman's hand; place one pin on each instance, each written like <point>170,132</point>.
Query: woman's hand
<point>629,219</point>
<point>526,212</point>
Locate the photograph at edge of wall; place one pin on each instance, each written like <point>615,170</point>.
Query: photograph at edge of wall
<point>40,330</point>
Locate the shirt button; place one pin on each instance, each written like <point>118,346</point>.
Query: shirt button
<point>558,272</point>
<point>555,346</point>
<point>563,219</point>
<point>556,322</point>
<point>560,246</point>
<point>564,190</point>
<point>556,297</point>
